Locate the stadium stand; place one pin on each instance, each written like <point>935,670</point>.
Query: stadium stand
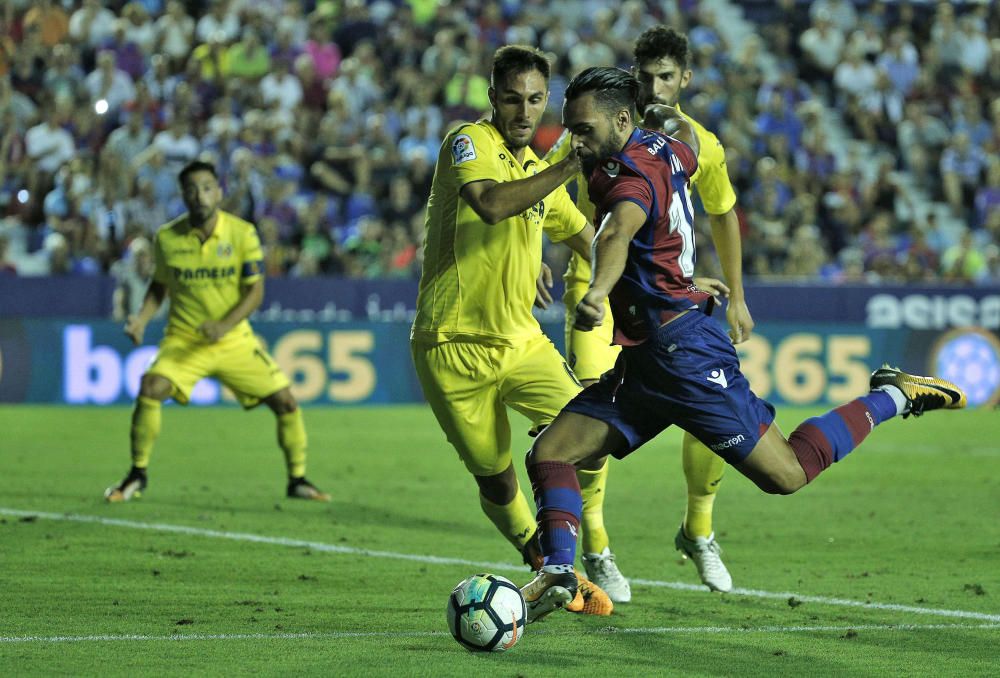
<point>863,138</point>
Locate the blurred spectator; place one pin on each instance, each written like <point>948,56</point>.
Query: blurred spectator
<point>132,275</point>
<point>51,20</point>
<point>962,166</point>
<point>175,32</point>
<point>248,58</point>
<point>822,46</point>
<point>108,86</point>
<point>281,88</point>
<point>963,262</point>
<point>91,24</point>
<point>219,24</point>
<point>178,145</point>
<point>841,13</point>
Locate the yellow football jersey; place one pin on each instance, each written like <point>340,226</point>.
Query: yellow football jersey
<point>204,279</point>
<point>478,280</point>
<point>711,180</point>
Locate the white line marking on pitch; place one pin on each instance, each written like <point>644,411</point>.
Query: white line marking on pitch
<point>508,567</point>
<point>335,635</point>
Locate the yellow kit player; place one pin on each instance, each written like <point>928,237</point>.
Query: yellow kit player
<point>476,346</point>
<point>661,58</point>
<point>210,264</point>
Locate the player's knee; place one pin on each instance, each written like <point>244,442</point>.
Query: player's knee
<point>282,402</point>
<point>499,489</point>
<point>154,386</point>
<point>780,483</point>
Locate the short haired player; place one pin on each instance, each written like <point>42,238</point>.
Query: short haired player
<point>209,263</point>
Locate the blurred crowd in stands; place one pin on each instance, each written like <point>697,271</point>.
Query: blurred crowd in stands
<point>324,118</point>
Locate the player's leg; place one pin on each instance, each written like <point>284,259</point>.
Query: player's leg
<point>293,441</point>
<point>591,354</point>
<point>570,439</point>
<point>781,466</point>
<point>536,381</point>
<point>252,374</point>
<point>176,369</point>
<point>460,386</point>
<point>695,538</point>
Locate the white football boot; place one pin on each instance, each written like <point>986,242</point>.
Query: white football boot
<point>705,553</point>
<point>602,570</point>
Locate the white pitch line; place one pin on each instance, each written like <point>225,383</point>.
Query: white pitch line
<point>340,635</point>
<point>490,566</point>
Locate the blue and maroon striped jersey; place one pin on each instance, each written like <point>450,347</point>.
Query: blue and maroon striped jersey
<point>653,171</point>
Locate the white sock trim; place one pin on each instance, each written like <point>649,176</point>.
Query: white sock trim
<point>902,404</point>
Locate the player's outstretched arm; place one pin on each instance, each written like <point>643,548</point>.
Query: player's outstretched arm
<point>495,201</point>
<point>135,325</point>
<point>670,121</point>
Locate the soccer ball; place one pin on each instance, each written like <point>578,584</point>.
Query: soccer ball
<point>486,613</point>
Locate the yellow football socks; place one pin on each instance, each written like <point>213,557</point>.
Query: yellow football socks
<point>292,439</point>
<point>515,520</point>
<point>145,428</point>
<point>703,470</point>
<point>592,483</point>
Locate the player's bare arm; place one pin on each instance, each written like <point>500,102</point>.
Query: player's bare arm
<point>135,325</point>
<point>495,201</point>
<point>726,236</point>
<point>582,241</point>
<point>608,256</point>
<point>251,297</point>
<point>670,120</point>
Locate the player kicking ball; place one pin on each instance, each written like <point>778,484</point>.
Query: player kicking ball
<point>677,366</point>
<point>210,264</point>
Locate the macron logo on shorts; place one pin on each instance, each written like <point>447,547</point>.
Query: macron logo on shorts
<point>718,377</point>
<point>726,444</point>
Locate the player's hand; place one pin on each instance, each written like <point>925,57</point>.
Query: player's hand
<point>542,286</point>
<point>740,323</point>
<point>134,329</point>
<point>573,161</point>
<point>713,286</point>
<point>213,330</point>
<point>660,117</point>
<point>589,312</point>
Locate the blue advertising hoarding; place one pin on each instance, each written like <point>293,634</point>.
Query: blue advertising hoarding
<point>78,361</point>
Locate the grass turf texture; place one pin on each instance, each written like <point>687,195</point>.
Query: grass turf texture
<point>910,520</point>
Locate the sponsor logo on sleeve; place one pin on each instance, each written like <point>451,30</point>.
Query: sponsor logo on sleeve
<point>462,149</point>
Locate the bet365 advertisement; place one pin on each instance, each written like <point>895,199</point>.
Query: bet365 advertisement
<point>92,362</point>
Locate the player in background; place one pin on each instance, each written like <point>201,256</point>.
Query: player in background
<point>676,365</point>
<point>476,346</point>
<point>210,264</point>
<point>661,59</point>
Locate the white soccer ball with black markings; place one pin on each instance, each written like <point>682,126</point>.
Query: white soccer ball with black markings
<point>486,613</point>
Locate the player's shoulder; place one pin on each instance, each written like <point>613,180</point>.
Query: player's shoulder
<point>175,227</point>
<point>470,140</point>
<point>237,225</point>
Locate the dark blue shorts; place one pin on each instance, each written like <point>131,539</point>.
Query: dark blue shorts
<point>687,374</point>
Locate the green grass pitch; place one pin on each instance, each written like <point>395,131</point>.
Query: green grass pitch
<point>887,565</point>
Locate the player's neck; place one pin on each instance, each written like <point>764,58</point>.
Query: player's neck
<point>205,229</point>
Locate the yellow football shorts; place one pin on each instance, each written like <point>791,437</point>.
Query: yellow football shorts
<point>590,354</point>
<point>239,362</point>
<point>469,386</point>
